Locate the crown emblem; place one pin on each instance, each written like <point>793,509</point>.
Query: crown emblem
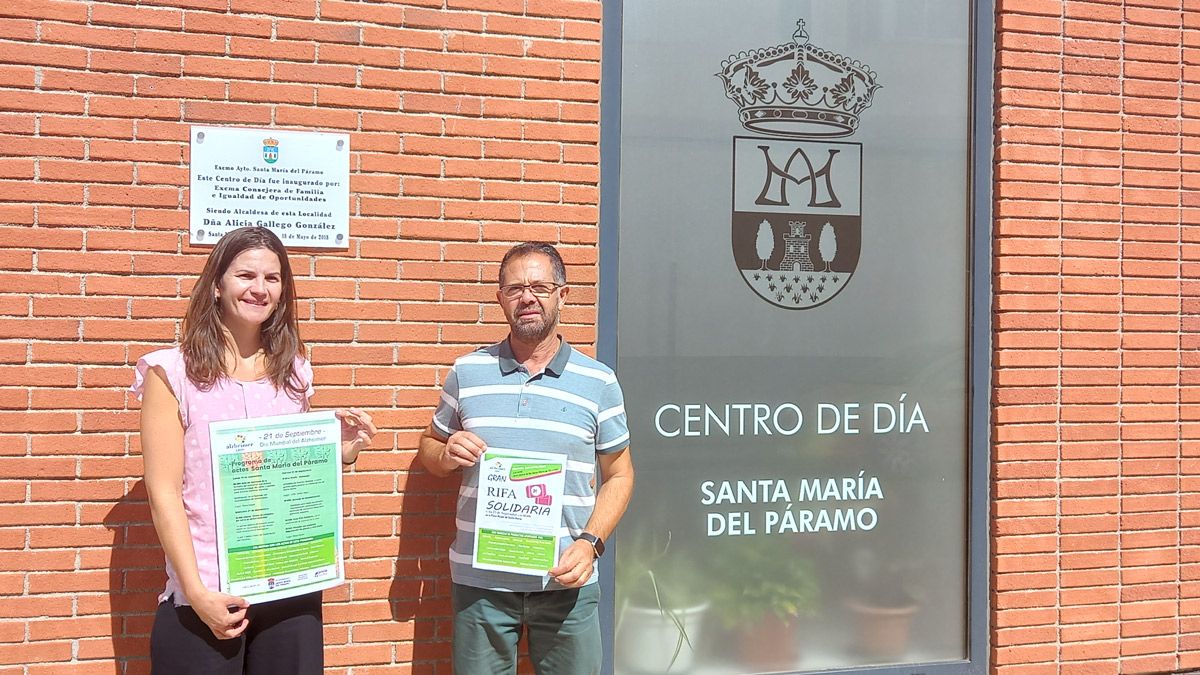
<point>270,150</point>
<point>798,89</point>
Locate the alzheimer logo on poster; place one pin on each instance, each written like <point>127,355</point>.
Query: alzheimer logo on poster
<point>519,511</point>
<point>278,487</point>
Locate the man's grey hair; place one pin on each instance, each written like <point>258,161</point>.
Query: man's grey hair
<point>531,247</point>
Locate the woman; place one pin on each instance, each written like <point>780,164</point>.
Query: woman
<point>240,357</point>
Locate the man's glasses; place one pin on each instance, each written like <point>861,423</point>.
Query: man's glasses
<point>514,291</point>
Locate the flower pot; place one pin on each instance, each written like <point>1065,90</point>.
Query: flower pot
<point>648,637</point>
<point>883,632</point>
<point>769,645</point>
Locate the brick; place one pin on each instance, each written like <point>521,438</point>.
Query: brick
<point>134,108</point>
<point>226,24</point>
<point>148,17</point>
<point>319,73</point>
<point>233,68</point>
<point>284,50</point>
<point>39,652</point>
<point>210,111</point>
<point>48,9</point>
<point>353,11</point>
<point>43,55</point>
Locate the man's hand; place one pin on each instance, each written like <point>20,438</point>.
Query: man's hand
<point>576,565</point>
<point>444,457</point>
<point>463,449</point>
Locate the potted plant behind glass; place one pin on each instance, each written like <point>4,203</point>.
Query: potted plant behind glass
<point>660,604</point>
<point>761,589</point>
<point>882,605</point>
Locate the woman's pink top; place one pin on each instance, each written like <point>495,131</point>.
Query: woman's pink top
<point>228,399</point>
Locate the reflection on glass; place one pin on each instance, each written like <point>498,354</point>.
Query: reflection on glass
<point>800,440</point>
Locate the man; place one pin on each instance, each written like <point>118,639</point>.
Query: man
<point>533,392</point>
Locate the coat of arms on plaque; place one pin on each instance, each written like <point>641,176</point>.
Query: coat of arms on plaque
<point>270,150</point>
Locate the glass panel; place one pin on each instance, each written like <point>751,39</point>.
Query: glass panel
<point>792,328</point>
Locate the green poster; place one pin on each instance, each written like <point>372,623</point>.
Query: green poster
<point>278,487</point>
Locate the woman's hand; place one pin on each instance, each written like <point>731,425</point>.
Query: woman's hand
<point>357,432</point>
<point>214,609</point>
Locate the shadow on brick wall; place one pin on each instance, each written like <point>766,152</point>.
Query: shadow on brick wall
<point>419,595</point>
<point>135,578</point>
<point>420,590</point>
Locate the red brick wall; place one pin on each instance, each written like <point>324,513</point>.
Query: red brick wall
<point>473,124</point>
<point>1096,501</point>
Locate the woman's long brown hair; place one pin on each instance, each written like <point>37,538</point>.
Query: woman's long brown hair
<point>204,342</point>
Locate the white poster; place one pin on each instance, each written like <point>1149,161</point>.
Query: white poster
<point>296,183</point>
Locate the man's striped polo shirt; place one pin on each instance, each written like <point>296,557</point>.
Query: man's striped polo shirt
<point>573,407</point>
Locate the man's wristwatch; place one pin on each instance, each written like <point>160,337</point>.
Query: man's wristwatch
<point>596,542</point>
